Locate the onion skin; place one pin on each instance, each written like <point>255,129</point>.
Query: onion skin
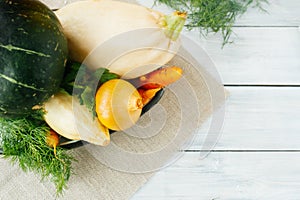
<point>118,104</point>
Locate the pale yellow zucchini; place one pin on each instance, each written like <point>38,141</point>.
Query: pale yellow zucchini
<point>151,36</point>
<point>65,115</point>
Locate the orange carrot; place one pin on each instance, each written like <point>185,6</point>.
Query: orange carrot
<point>52,140</point>
<point>159,78</point>
<point>147,95</point>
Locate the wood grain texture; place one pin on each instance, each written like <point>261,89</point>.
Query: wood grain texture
<point>257,56</point>
<point>278,13</point>
<point>227,176</point>
<point>258,118</point>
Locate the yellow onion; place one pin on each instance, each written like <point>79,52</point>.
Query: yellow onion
<point>118,104</point>
<point>65,115</point>
<point>90,24</point>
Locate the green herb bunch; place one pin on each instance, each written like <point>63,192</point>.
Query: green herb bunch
<point>83,83</point>
<point>213,15</point>
<point>24,142</point>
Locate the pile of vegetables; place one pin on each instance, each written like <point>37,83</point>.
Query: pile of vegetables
<point>33,53</point>
<point>46,93</point>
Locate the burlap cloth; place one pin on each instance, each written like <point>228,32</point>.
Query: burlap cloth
<point>94,180</point>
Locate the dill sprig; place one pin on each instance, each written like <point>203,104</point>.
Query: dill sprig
<point>23,141</point>
<point>213,15</point>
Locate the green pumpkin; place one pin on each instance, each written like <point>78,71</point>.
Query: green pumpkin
<point>33,54</point>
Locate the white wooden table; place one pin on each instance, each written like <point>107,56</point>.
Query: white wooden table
<point>258,155</point>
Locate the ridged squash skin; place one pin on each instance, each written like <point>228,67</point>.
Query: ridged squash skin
<point>33,53</point>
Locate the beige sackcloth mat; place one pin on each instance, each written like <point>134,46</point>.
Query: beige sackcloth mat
<point>92,179</point>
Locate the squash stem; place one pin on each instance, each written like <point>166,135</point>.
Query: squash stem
<point>173,24</point>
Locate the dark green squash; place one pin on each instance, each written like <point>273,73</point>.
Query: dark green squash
<point>33,53</point>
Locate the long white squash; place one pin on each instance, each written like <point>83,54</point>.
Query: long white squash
<point>128,39</point>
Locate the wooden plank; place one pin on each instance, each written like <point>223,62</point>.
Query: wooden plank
<point>257,56</point>
<point>278,13</point>
<point>258,118</point>
<point>227,176</point>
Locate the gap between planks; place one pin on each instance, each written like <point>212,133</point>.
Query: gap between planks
<point>265,26</point>
<point>262,85</point>
<point>257,119</point>
<point>243,151</point>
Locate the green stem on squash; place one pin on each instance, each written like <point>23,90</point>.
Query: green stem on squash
<point>173,24</point>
